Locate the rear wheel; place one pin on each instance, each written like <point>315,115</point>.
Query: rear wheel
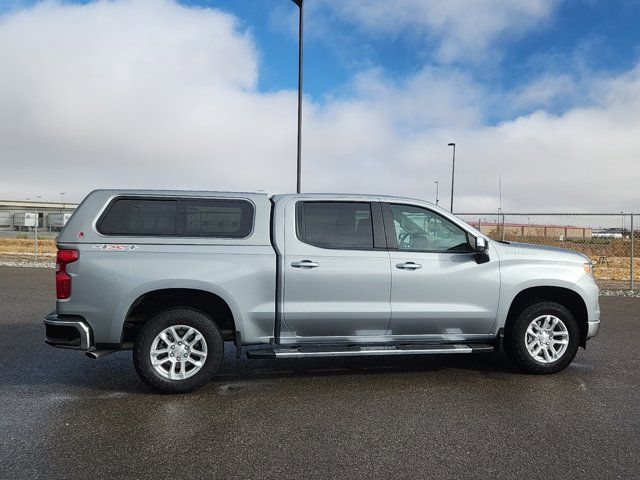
<point>543,338</point>
<point>178,350</point>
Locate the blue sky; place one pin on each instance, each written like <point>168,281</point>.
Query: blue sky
<point>581,38</point>
<point>201,94</point>
<point>580,35</point>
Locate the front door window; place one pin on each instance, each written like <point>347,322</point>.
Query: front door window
<point>421,230</point>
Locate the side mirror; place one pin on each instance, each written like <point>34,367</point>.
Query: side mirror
<point>481,245</point>
<point>482,249</point>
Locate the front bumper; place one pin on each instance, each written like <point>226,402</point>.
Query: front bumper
<point>592,329</point>
<point>590,293</point>
<point>68,331</point>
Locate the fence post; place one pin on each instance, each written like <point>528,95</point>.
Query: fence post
<point>35,238</point>
<point>633,236</point>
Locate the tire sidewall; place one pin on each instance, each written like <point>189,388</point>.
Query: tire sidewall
<point>515,342</point>
<point>178,316</point>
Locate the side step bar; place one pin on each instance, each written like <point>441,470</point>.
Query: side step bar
<point>368,350</point>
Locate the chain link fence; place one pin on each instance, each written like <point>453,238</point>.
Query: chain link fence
<point>610,240</point>
<point>28,234</point>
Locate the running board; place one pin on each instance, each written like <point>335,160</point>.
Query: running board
<point>368,350</point>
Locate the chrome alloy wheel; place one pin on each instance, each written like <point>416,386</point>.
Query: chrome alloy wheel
<point>546,339</point>
<point>178,352</point>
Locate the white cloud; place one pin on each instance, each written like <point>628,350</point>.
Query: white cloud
<point>545,91</point>
<point>135,92</point>
<point>463,29</point>
<point>141,93</point>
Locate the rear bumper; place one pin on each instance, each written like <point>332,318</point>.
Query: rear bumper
<point>68,331</point>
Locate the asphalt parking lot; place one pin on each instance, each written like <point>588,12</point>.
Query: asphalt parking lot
<point>63,415</point>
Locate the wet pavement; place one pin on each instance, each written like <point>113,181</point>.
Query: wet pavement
<point>63,415</point>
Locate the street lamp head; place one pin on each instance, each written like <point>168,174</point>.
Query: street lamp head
<point>298,2</point>
<point>451,145</point>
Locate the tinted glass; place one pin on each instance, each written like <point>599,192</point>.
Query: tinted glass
<point>422,230</point>
<point>128,216</point>
<point>344,225</point>
<point>215,218</point>
<point>178,217</point>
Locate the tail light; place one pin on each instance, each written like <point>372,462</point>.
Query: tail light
<point>63,279</point>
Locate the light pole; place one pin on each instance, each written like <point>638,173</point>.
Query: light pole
<point>62,200</point>
<point>300,4</point>
<point>453,172</point>
<point>437,184</point>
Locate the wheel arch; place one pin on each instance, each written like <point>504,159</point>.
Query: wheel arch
<point>147,304</point>
<point>570,299</point>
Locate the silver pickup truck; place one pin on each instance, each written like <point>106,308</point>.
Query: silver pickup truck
<point>172,275</point>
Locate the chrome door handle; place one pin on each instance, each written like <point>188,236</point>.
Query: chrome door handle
<point>305,264</point>
<point>408,266</point>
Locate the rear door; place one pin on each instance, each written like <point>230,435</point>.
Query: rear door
<point>337,276</point>
<point>438,287</point>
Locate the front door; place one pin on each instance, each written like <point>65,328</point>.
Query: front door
<point>337,278</point>
<point>438,288</point>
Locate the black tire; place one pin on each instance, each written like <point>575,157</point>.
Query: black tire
<point>165,319</point>
<point>515,344</point>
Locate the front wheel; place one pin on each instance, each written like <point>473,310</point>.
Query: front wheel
<point>543,338</point>
<point>178,350</point>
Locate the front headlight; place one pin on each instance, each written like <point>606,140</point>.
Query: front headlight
<point>588,268</point>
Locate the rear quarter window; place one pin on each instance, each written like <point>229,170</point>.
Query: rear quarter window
<point>177,217</point>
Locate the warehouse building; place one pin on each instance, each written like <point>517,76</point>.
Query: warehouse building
<point>531,230</point>
<point>11,210</point>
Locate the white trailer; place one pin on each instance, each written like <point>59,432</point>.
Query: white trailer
<point>606,235</point>
<point>55,221</point>
<point>25,220</point>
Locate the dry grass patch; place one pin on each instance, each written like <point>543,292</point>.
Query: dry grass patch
<point>24,246</point>
<point>617,268</point>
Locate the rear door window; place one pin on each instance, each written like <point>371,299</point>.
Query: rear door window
<point>178,217</point>
<point>340,225</point>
